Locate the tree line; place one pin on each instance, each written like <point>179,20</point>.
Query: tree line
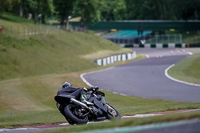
<point>92,11</point>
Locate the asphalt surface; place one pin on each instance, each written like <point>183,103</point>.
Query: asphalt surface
<point>146,78</point>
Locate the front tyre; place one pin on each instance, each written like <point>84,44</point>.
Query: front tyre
<point>74,115</point>
<point>112,113</point>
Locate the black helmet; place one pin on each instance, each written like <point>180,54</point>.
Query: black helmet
<point>67,84</point>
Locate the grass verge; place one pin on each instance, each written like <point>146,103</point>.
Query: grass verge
<point>31,101</point>
<point>34,67</point>
<point>127,123</point>
<point>187,70</point>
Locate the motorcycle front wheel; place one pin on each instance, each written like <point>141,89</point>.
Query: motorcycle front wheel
<point>112,113</point>
<point>73,114</point>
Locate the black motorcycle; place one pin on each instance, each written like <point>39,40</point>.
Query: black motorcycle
<point>94,109</point>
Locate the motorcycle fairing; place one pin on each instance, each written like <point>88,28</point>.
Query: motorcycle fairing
<point>63,98</point>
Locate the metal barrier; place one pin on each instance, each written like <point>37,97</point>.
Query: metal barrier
<point>158,45</point>
<point>152,39</point>
<point>171,38</point>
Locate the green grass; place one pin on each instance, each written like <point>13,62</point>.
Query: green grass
<point>126,123</point>
<point>61,52</point>
<point>12,18</point>
<point>34,67</point>
<point>188,37</point>
<point>31,102</point>
<point>187,70</point>
<point>33,97</point>
<point>29,118</point>
<point>191,37</point>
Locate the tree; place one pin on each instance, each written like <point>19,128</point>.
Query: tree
<point>7,4</point>
<point>44,9</point>
<point>34,7</point>
<point>24,7</point>
<point>149,9</point>
<point>113,10</point>
<point>63,9</point>
<point>185,9</point>
<point>89,10</point>
<point>163,9</point>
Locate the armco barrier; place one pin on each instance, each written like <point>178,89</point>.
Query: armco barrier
<point>111,59</point>
<point>158,45</point>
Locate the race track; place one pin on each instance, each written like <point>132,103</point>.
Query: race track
<point>146,78</point>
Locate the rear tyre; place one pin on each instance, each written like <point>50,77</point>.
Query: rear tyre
<point>72,113</point>
<point>112,113</point>
<point>70,122</point>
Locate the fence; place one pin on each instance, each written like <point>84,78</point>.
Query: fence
<point>29,30</point>
<point>155,39</point>
<point>171,38</point>
<point>70,27</point>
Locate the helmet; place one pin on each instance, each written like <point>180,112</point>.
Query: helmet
<point>67,84</point>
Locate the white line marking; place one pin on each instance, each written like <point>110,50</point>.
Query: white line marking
<point>153,114</point>
<point>191,110</point>
<point>64,124</point>
<point>141,115</point>
<point>115,92</point>
<point>16,129</point>
<point>83,74</point>
<point>84,80</point>
<point>147,56</point>
<point>176,80</point>
<point>123,94</point>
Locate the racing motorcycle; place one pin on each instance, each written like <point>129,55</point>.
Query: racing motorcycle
<point>94,109</point>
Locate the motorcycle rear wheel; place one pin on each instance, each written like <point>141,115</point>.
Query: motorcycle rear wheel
<point>72,117</point>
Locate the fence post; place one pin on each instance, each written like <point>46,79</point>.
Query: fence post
<point>156,39</point>
<point>24,31</point>
<point>18,32</point>
<point>11,31</point>
<point>180,38</point>
<point>175,39</point>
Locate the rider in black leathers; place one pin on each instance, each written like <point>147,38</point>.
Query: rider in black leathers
<point>67,88</point>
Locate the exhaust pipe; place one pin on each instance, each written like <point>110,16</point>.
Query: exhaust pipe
<point>80,103</point>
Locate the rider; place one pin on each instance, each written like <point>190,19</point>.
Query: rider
<point>67,88</point>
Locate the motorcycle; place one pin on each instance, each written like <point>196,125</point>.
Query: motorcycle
<point>94,109</point>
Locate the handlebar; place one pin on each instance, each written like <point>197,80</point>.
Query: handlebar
<point>94,88</point>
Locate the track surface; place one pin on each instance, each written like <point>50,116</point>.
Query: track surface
<point>146,78</point>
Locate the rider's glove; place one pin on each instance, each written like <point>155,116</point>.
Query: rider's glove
<point>94,88</point>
